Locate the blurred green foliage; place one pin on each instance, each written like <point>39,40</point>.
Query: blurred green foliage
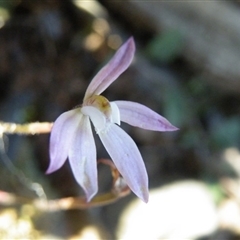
<point>225,132</point>
<point>166,46</point>
<point>8,4</point>
<point>217,192</point>
<point>194,107</point>
<point>176,106</point>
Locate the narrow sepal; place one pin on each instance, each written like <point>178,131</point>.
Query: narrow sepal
<point>61,138</point>
<point>141,116</point>
<point>82,158</point>
<point>127,159</point>
<point>109,73</point>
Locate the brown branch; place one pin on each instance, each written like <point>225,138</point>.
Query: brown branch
<point>26,129</point>
<point>119,190</point>
<point>9,199</point>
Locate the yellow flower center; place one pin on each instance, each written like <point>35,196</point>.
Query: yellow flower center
<point>99,102</point>
<point>101,112</point>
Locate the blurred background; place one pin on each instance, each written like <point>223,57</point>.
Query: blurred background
<point>186,67</point>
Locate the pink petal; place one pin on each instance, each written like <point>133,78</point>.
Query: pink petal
<point>61,138</point>
<point>108,74</point>
<point>141,116</point>
<point>127,159</point>
<point>82,158</point>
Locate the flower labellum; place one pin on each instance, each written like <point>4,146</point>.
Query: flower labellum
<point>72,137</point>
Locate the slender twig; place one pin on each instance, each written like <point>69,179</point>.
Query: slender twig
<point>9,199</point>
<point>80,202</point>
<point>26,129</point>
<point>119,190</point>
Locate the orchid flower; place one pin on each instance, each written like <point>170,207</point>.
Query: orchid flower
<point>72,137</point>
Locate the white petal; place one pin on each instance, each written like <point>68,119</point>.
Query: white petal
<point>61,138</point>
<point>96,116</point>
<point>115,113</point>
<point>141,116</point>
<point>82,158</point>
<point>127,159</point>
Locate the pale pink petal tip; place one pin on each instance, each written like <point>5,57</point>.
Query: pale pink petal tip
<point>90,193</point>
<point>171,128</point>
<point>146,198</point>
<point>144,195</point>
